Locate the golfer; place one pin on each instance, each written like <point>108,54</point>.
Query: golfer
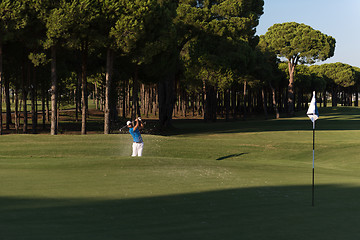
<point>138,144</point>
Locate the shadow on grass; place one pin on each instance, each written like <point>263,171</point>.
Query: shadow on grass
<point>246,213</point>
<point>198,127</point>
<point>230,156</point>
<point>340,118</point>
<point>65,127</point>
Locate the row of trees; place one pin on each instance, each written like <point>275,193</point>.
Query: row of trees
<point>71,36</point>
<point>153,41</point>
<point>156,56</point>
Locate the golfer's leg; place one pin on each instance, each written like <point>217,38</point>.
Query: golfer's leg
<point>134,150</point>
<point>140,149</point>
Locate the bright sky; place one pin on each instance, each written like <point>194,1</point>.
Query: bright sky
<point>339,19</point>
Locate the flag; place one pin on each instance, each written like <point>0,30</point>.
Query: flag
<point>313,112</point>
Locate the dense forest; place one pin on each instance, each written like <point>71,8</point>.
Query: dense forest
<point>159,58</point>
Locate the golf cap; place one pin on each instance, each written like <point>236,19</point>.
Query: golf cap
<point>128,123</point>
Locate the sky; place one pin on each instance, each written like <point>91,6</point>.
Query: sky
<point>339,19</point>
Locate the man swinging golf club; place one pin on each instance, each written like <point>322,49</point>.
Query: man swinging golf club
<point>138,144</point>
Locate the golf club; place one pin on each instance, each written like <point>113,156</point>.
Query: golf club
<point>122,128</point>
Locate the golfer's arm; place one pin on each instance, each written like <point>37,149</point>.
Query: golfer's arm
<point>136,125</point>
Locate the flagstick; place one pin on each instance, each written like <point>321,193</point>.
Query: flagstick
<point>313,170</point>
<point>313,114</point>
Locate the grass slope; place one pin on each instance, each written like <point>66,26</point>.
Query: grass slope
<point>238,180</point>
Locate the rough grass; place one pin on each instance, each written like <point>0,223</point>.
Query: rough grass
<point>237,180</point>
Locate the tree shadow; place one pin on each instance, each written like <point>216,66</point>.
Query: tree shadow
<point>277,212</point>
<point>230,156</point>
<point>324,123</point>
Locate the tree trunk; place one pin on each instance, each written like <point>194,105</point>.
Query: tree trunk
<point>156,100</point>
<point>291,66</point>
<point>135,111</point>
<point>96,95</point>
<point>233,102</point>
<point>249,98</point>
<point>142,99</point>
<point>58,115</point>
<point>244,95</point>
<point>277,115</point>
<point>77,102</point>
<point>33,102</point>
<point>128,99</point>
<point>54,109</point>
<point>47,108</point>
<point>138,106</point>
<point>1,82</point>
<point>263,95</point>
<point>203,100</point>
<point>221,103</point>
<point>43,103</point>
<point>84,52</point>
<point>166,100</point>
<point>210,104</point>
<point>109,73</point>
<point>214,104</point>
<point>124,105</point>
<point>17,117</point>
<point>227,104</point>
<point>26,75</point>
<point>78,96</point>
<point>147,101</point>
<point>356,103</point>
<point>334,97</point>
<point>184,103</point>
<point>8,104</point>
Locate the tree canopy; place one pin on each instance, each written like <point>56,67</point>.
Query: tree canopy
<point>298,43</point>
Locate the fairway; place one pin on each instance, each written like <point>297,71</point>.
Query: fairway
<point>235,180</point>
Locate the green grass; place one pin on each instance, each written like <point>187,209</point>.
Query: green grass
<point>236,180</point>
